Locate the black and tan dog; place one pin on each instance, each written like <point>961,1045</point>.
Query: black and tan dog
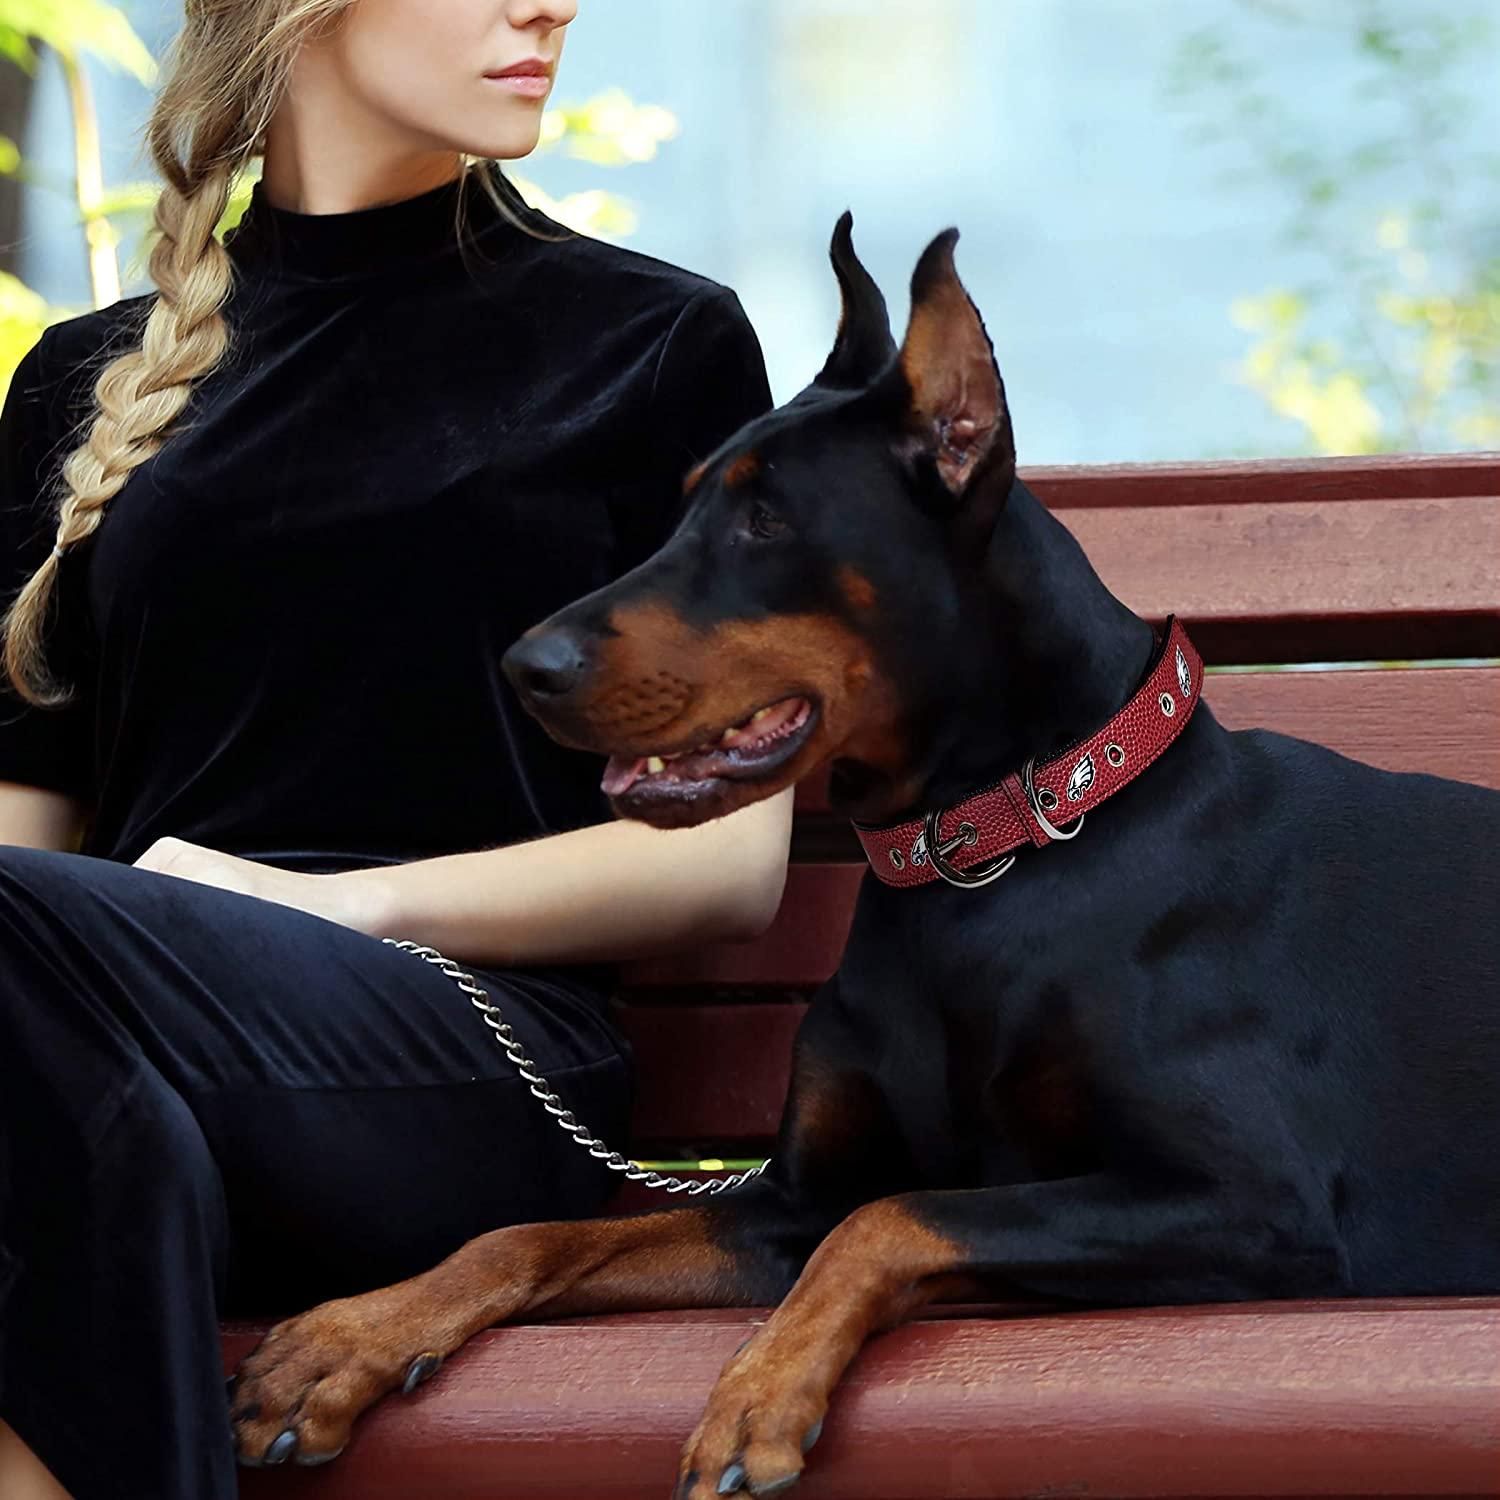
<point>1240,1040</point>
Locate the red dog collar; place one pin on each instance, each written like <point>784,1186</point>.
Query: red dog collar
<point>970,843</point>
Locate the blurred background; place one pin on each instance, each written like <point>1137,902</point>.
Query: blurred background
<point>1195,228</point>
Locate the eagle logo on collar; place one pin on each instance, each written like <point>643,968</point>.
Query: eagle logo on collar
<point>1081,779</point>
<point>1184,677</point>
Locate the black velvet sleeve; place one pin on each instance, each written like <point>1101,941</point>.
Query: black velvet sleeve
<point>710,380</point>
<point>38,747</point>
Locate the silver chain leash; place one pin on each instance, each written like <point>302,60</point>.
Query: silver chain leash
<point>544,1091</point>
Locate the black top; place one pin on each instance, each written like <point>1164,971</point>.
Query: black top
<point>286,633</point>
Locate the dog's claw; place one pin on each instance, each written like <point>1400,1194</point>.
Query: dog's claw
<point>812,1434</point>
<point>422,1368</point>
<point>311,1460</point>
<point>732,1479</point>
<point>777,1487</point>
<point>282,1448</point>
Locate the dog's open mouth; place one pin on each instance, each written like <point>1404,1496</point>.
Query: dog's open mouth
<point>746,751</point>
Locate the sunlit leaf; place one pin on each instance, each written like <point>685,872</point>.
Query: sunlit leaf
<point>75,27</point>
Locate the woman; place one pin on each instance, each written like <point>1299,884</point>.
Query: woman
<point>276,523</point>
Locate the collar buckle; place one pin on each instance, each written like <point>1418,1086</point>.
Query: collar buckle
<point>939,849</point>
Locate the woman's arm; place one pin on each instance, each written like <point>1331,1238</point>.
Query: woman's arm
<point>40,819</point>
<point>610,891</point>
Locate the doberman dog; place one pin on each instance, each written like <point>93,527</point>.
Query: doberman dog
<point>1239,1040</point>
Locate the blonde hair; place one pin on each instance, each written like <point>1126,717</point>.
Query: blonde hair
<point>225,72</point>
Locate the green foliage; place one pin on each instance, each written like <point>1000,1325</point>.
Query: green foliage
<point>23,315</point>
<point>77,28</point>
<point>74,29</point>
<point>609,130</point>
<point>1393,342</point>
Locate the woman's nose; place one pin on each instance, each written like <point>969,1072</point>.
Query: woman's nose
<point>550,13</point>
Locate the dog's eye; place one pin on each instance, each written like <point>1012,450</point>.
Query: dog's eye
<point>764,523</point>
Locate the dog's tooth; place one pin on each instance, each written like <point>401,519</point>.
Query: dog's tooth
<point>654,763</point>
<point>758,715</point>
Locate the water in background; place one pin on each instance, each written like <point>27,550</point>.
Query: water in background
<point>1130,178</point>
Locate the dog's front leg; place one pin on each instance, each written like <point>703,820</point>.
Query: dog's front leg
<point>877,1267</point>
<point>1095,1238</point>
<point>297,1395</point>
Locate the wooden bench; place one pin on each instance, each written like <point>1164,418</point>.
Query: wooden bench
<point>1336,561</point>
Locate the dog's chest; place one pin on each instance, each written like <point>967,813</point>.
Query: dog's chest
<point>1035,1105</point>
<point>1019,1103</point>
<point>990,1048</point>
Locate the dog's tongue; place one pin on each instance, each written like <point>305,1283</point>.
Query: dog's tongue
<point>621,774</point>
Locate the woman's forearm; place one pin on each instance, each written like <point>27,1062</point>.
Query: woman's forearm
<point>40,819</point>
<point>611,891</point>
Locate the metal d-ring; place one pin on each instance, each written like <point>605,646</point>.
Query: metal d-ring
<point>1028,785</point>
<point>938,851</point>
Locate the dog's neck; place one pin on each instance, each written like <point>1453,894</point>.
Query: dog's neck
<point>1046,654</point>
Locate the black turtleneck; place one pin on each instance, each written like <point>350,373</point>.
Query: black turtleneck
<point>285,636</point>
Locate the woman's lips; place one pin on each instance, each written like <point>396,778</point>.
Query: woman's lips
<point>527,85</point>
<point>531,78</point>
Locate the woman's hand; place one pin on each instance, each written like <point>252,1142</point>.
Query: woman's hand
<point>322,895</point>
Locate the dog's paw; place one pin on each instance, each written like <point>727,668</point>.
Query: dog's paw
<point>296,1396</point>
<point>759,1423</point>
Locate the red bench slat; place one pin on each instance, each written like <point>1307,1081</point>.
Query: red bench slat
<point>1305,580</point>
<point>709,1072</point>
<point>1395,1397</point>
<point>1407,476</point>
<point>1443,720</point>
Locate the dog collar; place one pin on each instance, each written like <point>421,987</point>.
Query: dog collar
<point>971,843</point>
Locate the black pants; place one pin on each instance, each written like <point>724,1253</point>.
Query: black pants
<point>213,1104</point>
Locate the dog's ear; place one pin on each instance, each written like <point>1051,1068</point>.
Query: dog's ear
<point>864,346</point>
<point>956,416</point>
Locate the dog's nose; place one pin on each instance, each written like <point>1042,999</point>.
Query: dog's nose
<point>546,666</point>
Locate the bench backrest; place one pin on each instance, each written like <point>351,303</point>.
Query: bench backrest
<point>1338,561</point>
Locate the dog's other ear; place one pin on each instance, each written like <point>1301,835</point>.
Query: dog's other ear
<point>864,346</point>
<point>957,415</point>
